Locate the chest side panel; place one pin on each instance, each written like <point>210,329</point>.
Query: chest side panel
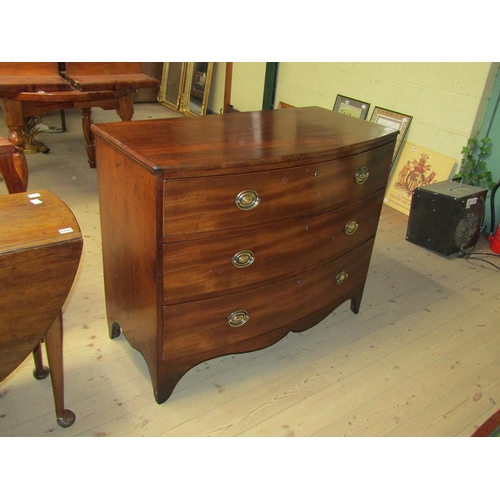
<point>129,201</point>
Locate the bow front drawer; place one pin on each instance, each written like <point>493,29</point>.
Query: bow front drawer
<point>232,202</point>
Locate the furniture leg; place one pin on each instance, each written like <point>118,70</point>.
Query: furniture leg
<point>356,300</point>
<point>14,119</point>
<point>89,137</point>
<point>40,372</point>
<point>13,167</point>
<point>21,168</point>
<point>125,108</point>
<point>54,343</point>
<point>63,120</point>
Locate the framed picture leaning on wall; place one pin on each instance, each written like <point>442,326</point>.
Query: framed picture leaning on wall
<point>395,120</point>
<point>351,107</point>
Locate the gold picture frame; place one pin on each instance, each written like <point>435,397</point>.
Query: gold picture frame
<point>185,87</point>
<point>172,85</point>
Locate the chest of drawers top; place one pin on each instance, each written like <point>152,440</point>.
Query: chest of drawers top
<point>242,142</point>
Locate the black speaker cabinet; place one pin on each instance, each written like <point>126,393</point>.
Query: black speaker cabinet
<point>446,216</point>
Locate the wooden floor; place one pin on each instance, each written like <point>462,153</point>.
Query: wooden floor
<point>422,358</point>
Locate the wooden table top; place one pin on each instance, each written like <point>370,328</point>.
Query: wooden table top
<point>86,77</point>
<point>35,218</point>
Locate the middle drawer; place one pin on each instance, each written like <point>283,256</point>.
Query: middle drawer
<point>198,269</point>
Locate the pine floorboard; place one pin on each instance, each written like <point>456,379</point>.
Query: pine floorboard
<point>422,357</point>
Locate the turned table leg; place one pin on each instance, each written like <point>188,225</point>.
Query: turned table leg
<point>14,119</point>
<point>54,343</point>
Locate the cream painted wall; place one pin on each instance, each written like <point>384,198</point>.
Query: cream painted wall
<point>216,99</point>
<point>247,89</point>
<point>248,85</point>
<point>447,100</point>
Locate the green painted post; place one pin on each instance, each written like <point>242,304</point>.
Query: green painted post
<point>269,85</point>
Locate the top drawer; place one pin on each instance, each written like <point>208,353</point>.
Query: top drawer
<point>223,203</point>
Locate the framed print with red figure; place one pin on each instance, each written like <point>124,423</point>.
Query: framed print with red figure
<point>416,166</point>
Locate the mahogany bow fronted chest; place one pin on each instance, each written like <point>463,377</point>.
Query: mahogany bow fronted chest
<point>222,233</point>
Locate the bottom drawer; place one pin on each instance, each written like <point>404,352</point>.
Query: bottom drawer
<point>214,326</point>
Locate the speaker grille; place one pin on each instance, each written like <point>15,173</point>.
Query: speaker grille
<point>467,230</point>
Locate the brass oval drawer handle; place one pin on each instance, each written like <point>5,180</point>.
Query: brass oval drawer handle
<point>341,277</point>
<point>351,227</point>
<point>247,200</point>
<point>361,175</point>
<point>244,258</point>
<point>238,318</point>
